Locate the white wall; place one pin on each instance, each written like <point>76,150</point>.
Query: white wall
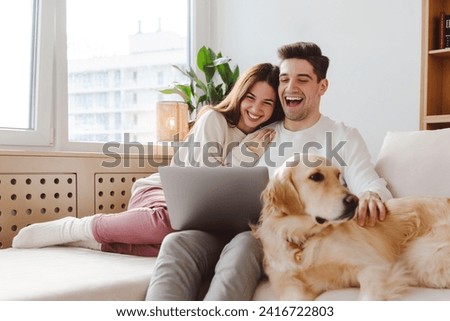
<point>373,45</point>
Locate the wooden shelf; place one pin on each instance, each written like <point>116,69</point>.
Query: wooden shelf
<point>435,74</point>
<point>437,119</point>
<point>440,52</point>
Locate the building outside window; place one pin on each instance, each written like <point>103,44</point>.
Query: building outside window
<point>117,60</point>
<point>114,56</point>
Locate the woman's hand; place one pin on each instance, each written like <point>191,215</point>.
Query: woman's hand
<point>257,142</point>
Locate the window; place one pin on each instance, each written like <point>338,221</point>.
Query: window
<point>117,54</point>
<point>88,71</point>
<point>16,63</point>
<point>25,110</point>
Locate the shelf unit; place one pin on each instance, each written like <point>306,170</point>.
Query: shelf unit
<point>435,74</point>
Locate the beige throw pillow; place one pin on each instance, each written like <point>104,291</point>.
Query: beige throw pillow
<point>416,163</point>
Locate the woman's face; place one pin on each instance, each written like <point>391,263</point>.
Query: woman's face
<point>257,106</point>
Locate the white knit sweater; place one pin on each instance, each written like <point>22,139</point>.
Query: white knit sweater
<point>343,145</point>
<point>209,144</point>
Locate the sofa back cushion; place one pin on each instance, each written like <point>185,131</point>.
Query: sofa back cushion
<point>416,163</point>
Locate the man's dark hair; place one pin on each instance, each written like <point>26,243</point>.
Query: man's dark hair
<point>308,51</point>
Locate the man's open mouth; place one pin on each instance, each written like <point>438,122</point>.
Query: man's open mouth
<point>293,101</point>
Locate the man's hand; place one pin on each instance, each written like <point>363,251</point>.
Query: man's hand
<point>370,209</point>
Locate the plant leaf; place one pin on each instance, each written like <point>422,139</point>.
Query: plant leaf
<point>225,74</point>
<point>168,91</point>
<point>205,58</point>
<point>221,61</point>
<point>201,85</point>
<point>201,100</point>
<point>184,72</point>
<point>185,91</point>
<point>214,93</point>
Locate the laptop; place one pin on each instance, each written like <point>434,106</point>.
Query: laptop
<point>213,198</point>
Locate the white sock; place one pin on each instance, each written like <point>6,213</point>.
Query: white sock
<point>62,231</point>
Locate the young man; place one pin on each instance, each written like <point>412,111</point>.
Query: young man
<point>179,270</point>
<point>303,82</point>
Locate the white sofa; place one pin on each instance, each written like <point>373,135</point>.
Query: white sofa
<point>413,163</point>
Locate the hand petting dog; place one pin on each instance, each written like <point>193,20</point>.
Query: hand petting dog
<point>370,209</point>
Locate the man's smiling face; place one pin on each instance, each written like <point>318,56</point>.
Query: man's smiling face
<point>300,90</point>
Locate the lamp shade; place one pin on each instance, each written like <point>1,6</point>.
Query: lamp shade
<point>172,120</point>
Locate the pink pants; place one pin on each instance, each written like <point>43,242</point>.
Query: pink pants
<point>140,229</point>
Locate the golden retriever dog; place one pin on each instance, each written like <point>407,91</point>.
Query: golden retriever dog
<point>312,242</point>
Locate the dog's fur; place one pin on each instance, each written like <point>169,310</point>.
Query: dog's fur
<point>312,242</point>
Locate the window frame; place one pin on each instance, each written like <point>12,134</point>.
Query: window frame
<point>42,133</point>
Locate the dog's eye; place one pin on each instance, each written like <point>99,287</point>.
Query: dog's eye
<point>317,177</point>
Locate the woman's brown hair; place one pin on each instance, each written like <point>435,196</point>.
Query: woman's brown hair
<point>230,106</point>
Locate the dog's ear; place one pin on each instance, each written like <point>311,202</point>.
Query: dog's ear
<point>281,197</point>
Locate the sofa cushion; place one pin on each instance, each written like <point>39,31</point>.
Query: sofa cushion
<point>416,163</point>
<point>70,273</point>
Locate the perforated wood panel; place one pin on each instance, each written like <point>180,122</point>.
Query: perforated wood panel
<point>31,198</point>
<point>113,191</point>
<point>42,186</point>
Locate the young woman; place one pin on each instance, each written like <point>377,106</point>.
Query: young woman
<point>252,103</point>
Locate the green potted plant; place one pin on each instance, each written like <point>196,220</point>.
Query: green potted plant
<point>211,88</point>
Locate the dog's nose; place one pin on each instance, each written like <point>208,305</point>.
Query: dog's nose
<point>351,201</point>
